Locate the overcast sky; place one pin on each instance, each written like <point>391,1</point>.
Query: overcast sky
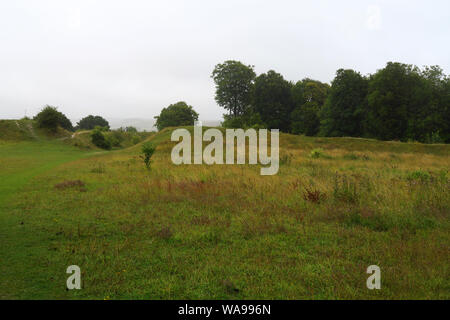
<point>129,59</point>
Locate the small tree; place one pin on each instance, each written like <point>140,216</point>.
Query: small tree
<point>178,114</point>
<point>50,118</point>
<point>90,122</point>
<point>147,149</point>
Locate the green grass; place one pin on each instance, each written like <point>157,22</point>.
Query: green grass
<point>225,232</point>
<point>20,162</point>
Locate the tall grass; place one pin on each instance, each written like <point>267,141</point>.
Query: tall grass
<point>225,232</point>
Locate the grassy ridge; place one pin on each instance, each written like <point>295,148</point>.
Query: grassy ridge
<point>14,130</point>
<point>226,232</point>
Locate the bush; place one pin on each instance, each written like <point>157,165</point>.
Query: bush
<point>148,149</point>
<point>99,140</point>
<point>135,140</point>
<point>117,136</point>
<point>102,128</point>
<point>113,141</point>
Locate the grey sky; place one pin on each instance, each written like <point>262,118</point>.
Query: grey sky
<point>129,59</point>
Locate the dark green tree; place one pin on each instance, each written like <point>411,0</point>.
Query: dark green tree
<point>178,114</point>
<point>308,97</point>
<point>398,102</point>
<point>65,123</point>
<point>90,122</point>
<point>272,100</point>
<point>343,113</point>
<point>50,118</point>
<point>305,119</point>
<point>234,82</point>
<point>445,111</point>
<point>436,123</point>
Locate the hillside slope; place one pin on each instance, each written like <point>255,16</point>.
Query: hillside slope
<point>15,130</point>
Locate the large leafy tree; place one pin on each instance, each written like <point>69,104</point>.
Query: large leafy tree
<point>90,122</point>
<point>50,118</point>
<point>399,101</point>
<point>436,121</point>
<point>178,114</point>
<point>445,110</point>
<point>272,100</point>
<point>308,97</point>
<point>234,82</point>
<point>344,111</point>
<point>305,120</point>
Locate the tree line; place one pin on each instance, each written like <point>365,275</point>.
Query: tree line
<point>50,118</point>
<point>398,102</point>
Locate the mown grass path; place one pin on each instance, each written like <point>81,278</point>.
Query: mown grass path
<point>19,163</point>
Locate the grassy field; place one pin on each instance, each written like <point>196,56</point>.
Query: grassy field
<point>336,206</point>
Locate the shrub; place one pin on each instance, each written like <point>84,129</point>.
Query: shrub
<point>148,149</point>
<point>117,137</point>
<point>99,140</point>
<point>113,140</point>
<point>102,128</point>
<point>136,139</point>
